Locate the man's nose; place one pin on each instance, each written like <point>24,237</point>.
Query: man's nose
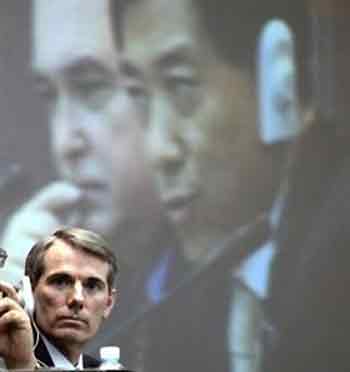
<point>164,138</point>
<point>76,297</point>
<point>68,129</point>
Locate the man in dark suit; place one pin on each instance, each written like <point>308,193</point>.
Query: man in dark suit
<point>308,302</point>
<point>71,273</point>
<point>309,305</point>
<point>44,358</point>
<point>190,66</point>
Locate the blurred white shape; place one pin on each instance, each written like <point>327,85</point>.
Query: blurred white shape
<point>279,111</point>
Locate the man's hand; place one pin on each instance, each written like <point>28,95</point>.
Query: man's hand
<point>48,210</point>
<point>16,336</point>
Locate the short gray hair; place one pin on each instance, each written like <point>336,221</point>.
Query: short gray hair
<point>77,238</point>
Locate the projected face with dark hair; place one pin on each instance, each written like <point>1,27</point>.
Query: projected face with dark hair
<point>96,136</point>
<point>97,141</point>
<point>202,128</point>
<point>278,99</point>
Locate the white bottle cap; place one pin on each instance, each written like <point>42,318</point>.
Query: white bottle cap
<point>110,352</point>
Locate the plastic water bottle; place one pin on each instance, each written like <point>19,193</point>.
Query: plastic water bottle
<point>110,356</point>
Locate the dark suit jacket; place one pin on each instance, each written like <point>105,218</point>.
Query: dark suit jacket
<point>188,330</point>
<point>42,354</point>
<point>309,301</point>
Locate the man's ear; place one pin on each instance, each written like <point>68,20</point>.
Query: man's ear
<point>279,111</point>
<point>111,301</point>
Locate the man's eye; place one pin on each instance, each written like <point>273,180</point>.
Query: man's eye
<point>60,282</point>
<point>184,91</point>
<point>138,93</point>
<point>93,285</point>
<point>95,92</point>
<point>182,85</point>
<point>90,87</point>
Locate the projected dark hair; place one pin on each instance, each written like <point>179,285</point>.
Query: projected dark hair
<point>232,26</point>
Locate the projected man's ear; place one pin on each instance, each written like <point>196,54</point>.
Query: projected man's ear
<point>279,116</point>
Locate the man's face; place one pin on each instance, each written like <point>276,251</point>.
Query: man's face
<point>201,131</point>
<point>96,138</point>
<point>72,296</point>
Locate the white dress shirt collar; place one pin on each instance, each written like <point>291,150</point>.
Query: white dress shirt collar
<point>59,360</point>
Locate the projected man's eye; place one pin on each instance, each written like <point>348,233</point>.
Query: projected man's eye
<point>184,91</point>
<point>138,92</point>
<point>3,257</point>
<point>94,91</point>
